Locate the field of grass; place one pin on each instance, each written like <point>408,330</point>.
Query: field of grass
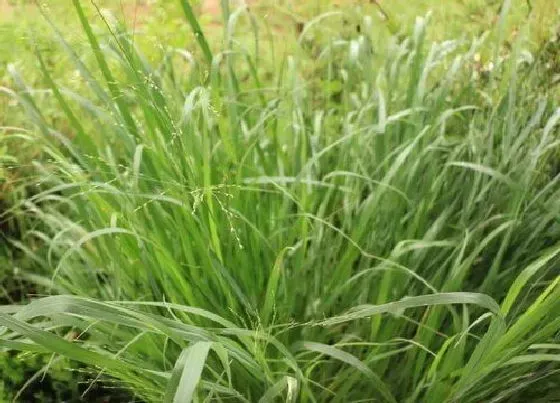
<point>353,202</point>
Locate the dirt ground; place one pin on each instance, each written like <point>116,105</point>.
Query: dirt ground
<point>136,8</point>
<point>6,9</point>
<point>135,11</point>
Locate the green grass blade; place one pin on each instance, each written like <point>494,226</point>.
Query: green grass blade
<point>276,390</point>
<point>524,277</point>
<point>366,311</point>
<point>186,374</point>
<point>349,359</point>
<point>195,26</point>
<point>116,93</point>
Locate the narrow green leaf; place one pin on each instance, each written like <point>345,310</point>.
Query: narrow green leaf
<point>533,358</point>
<point>524,277</point>
<point>186,374</point>
<point>116,93</point>
<point>483,170</point>
<point>276,390</point>
<point>349,359</point>
<point>272,287</point>
<point>365,311</point>
<point>195,26</point>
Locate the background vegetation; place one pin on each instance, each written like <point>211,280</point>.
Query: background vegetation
<point>311,202</point>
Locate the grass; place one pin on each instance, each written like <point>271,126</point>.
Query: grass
<point>349,222</point>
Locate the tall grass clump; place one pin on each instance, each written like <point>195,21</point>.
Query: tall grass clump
<point>352,223</point>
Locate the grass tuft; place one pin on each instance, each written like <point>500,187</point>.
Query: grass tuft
<point>352,223</point>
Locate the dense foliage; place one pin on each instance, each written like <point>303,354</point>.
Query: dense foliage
<point>350,222</point>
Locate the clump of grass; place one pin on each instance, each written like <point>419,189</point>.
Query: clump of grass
<point>383,229</point>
